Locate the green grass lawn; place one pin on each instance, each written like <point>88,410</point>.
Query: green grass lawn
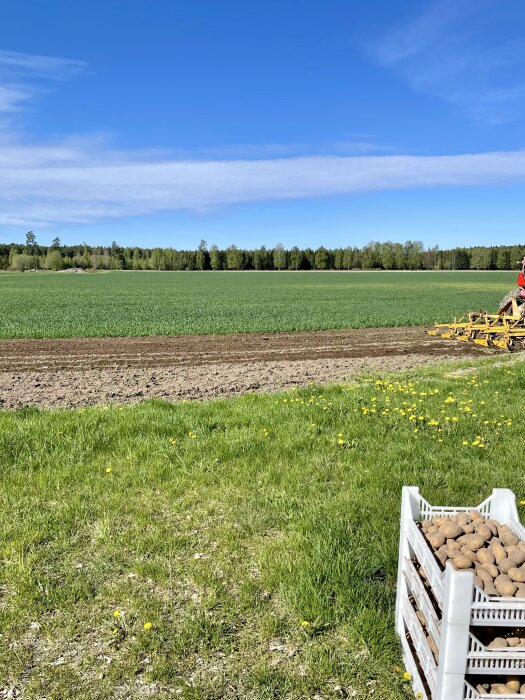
<point>257,535</point>
<point>51,305</point>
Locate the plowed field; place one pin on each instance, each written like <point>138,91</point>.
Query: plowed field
<point>88,371</point>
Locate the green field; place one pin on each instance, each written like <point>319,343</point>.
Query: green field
<point>258,535</point>
<point>52,305</point>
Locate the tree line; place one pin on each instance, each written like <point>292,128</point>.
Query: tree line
<point>411,255</point>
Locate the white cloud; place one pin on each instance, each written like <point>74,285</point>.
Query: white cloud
<point>45,186</point>
<point>51,67</point>
<point>12,97</point>
<point>466,52</point>
<point>21,77</point>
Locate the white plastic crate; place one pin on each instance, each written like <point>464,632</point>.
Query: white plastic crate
<point>485,610</point>
<point>424,655</point>
<point>472,694</point>
<point>417,589</point>
<point>480,659</point>
<point>412,668</point>
<point>460,604</point>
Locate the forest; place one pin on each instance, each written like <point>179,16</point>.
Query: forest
<point>411,255</point>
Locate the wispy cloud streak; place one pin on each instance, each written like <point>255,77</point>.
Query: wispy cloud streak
<point>21,76</point>
<point>59,185</point>
<point>469,53</point>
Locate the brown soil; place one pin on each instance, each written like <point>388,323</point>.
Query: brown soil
<point>87,371</point>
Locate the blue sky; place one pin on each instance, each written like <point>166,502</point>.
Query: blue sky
<point>330,122</point>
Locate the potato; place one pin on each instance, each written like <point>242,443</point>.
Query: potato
<point>499,689</point>
<point>425,524</point>
<point>421,618</point>
<point>520,593</point>
<point>436,539</point>
<point>498,643</point>
<point>514,685</point>
<point>522,641</point>
<point>451,530</point>
<point>473,542</point>
<point>516,554</point>
<point>453,553</point>
<point>506,589</point>
<point>481,689</point>
<point>433,647</point>
<point>484,575</point>
<point>513,642</point>
<point>521,545</point>
<point>475,515</point>
<point>522,689</point>
<point>484,531</point>
<point>492,527</point>
<point>492,569</point>
<point>442,555</point>
<point>493,523</point>
<point>439,520</point>
<point>479,582</point>
<point>498,552</point>
<point>423,573</point>
<point>507,537</point>
<point>463,519</point>
<point>462,562</point>
<point>468,528</point>
<point>453,544</point>
<point>489,589</point>
<point>506,564</point>
<point>517,574</point>
<point>485,556</point>
<point>469,553</point>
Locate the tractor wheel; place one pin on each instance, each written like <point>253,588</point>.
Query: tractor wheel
<point>507,301</point>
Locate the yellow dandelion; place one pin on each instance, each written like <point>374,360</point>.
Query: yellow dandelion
<point>305,623</point>
<point>407,676</point>
<point>108,469</point>
<point>340,441</point>
<point>148,625</point>
<point>117,613</point>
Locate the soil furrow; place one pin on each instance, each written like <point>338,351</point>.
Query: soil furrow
<point>87,371</point>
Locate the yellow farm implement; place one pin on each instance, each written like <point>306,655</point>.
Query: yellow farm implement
<point>504,330</point>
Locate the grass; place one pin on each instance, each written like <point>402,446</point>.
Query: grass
<point>257,535</point>
<point>176,303</point>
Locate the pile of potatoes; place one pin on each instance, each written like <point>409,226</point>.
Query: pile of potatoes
<point>506,642</point>
<point>512,686</point>
<point>474,542</point>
